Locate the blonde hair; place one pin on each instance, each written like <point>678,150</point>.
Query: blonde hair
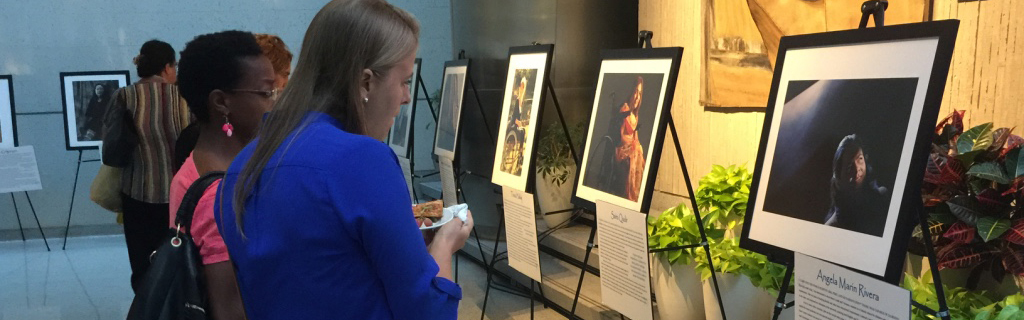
<point>344,38</point>
<point>275,50</point>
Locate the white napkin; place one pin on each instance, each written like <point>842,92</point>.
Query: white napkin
<point>460,211</point>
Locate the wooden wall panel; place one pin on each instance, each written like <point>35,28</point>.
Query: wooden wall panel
<point>986,78</point>
<point>707,137</point>
<point>987,73</point>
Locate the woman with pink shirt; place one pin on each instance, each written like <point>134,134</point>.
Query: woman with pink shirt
<point>228,84</point>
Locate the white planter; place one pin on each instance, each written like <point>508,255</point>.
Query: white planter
<point>554,198</point>
<point>743,301</point>
<point>677,289</point>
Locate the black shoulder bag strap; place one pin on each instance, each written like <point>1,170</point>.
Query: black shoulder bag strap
<point>191,199</point>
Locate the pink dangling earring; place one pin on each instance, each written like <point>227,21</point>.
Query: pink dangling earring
<point>227,127</point>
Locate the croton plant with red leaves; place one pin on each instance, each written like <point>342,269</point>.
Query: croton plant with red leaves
<point>974,196</point>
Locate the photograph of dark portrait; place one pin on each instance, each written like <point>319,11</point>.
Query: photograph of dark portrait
<point>448,117</point>
<point>838,151</point>
<point>621,133</point>
<point>91,101</point>
<point>517,123</point>
<point>86,97</point>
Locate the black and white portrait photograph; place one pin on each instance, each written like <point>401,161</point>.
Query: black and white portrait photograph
<point>843,149</point>
<point>452,90</point>
<point>623,142</point>
<point>8,138</point>
<point>86,98</point>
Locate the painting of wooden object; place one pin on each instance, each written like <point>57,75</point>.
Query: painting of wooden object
<point>741,40</point>
<point>737,68</point>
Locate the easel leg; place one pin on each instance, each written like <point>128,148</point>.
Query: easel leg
<point>18,215</point>
<point>419,79</point>
<point>531,300</point>
<point>780,303</point>
<point>74,189</point>
<point>490,266</point>
<point>565,128</point>
<point>39,225</point>
<point>583,270</point>
<point>696,212</point>
<point>480,106</point>
<point>933,263</point>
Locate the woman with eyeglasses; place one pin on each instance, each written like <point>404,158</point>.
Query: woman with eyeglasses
<point>158,115</point>
<point>229,85</point>
<point>315,211</point>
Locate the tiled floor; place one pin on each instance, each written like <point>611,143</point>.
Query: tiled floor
<point>90,281</point>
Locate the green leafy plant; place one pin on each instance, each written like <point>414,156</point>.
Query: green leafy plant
<point>974,195</point>
<point>960,301</point>
<point>676,227</point>
<point>722,195</point>
<point>730,258</point>
<point>553,155</point>
<point>1007,309</point>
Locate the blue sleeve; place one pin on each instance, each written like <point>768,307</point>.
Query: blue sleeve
<point>370,196</point>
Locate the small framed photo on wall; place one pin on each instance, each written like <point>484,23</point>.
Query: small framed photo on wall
<point>521,113</point>
<point>630,113</point>
<point>401,135</point>
<point>453,89</point>
<point>843,148</point>
<point>8,120</point>
<point>86,96</point>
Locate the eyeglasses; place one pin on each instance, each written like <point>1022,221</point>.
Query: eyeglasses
<point>271,94</point>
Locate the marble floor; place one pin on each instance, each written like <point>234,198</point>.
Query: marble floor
<point>89,280</point>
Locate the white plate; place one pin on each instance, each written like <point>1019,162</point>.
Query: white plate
<point>445,218</point>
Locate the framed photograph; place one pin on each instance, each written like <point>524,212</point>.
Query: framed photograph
<point>8,133</point>
<point>453,89</point>
<point>623,146</point>
<point>521,112</point>
<point>843,149</point>
<point>86,96</point>
<point>400,138</point>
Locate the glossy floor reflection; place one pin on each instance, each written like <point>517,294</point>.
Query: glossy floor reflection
<point>87,281</point>
<point>90,281</point>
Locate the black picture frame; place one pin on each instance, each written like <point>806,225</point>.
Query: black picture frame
<point>910,201</point>
<point>406,152</point>
<point>71,141</point>
<point>662,116</point>
<point>11,113</point>
<point>529,185</point>
<point>451,66</point>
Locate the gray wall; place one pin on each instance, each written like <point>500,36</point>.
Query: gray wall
<point>40,39</point>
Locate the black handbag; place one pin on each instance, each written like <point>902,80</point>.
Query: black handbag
<point>174,287</point>
<point>119,135</point>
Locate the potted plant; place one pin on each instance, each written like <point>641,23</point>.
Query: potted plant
<point>556,171</point>
<point>744,277</point>
<point>962,303</point>
<point>973,193</point>
<point>675,282</point>
<point>722,196</point>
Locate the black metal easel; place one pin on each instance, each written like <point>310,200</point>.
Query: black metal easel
<point>876,9</point>
<point>74,188</point>
<point>18,216</point>
<point>644,41</point>
<point>411,143</point>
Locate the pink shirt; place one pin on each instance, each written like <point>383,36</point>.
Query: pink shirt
<point>204,228</point>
